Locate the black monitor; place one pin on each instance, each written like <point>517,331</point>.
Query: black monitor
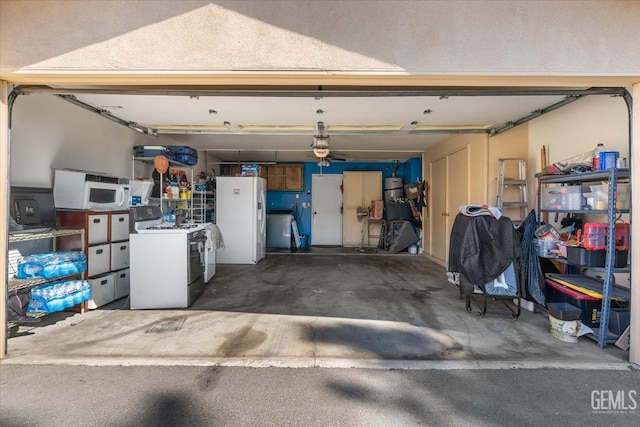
<point>32,207</point>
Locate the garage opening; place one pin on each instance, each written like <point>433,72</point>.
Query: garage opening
<point>372,305</point>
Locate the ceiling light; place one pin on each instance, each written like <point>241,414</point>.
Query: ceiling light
<point>321,153</point>
<point>212,111</point>
<point>427,111</point>
<point>319,111</point>
<point>320,141</point>
<point>324,162</point>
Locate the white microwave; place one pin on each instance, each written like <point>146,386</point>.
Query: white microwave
<point>74,189</point>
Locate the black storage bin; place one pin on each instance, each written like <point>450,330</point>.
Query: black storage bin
<point>621,259</point>
<point>397,211</point>
<point>564,311</point>
<point>577,255</point>
<point>619,320</point>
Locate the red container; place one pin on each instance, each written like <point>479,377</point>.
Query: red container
<point>622,237</point>
<point>595,236</point>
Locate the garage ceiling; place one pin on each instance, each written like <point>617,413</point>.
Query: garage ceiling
<point>267,124</point>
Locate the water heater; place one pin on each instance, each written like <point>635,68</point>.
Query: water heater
<point>392,188</point>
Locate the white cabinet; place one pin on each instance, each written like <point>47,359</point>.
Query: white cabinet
<point>360,188</point>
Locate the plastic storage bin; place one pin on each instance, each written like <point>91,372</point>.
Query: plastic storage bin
<point>600,194</point>
<point>562,198</point>
<point>580,256</point>
<point>564,311</point>
<point>595,236</point>
<point>547,248</point>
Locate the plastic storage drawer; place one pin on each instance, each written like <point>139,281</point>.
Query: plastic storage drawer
<point>102,290</point>
<point>98,259</point>
<point>119,255</point>
<point>122,283</point>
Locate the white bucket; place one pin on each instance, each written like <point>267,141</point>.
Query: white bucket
<point>413,249</point>
<point>564,330</point>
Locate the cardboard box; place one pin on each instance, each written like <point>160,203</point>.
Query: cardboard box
<point>377,209</point>
<point>412,190</point>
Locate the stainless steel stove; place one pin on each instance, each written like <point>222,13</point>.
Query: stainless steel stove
<point>167,261</point>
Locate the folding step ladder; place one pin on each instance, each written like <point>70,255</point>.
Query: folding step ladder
<point>518,200</point>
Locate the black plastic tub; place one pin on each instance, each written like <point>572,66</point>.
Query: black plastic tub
<point>564,311</point>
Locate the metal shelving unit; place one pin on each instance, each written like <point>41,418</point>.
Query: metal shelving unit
<point>163,201</point>
<point>203,206</point>
<point>15,284</point>
<point>612,176</point>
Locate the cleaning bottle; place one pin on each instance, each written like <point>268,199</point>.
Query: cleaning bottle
<point>595,159</point>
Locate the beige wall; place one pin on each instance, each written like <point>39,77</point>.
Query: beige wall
<point>478,152</point>
<point>511,144</point>
<point>577,128</point>
<point>322,37</point>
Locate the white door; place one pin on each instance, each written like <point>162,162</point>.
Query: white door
<point>326,202</point>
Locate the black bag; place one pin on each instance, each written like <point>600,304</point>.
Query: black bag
<point>17,303</point>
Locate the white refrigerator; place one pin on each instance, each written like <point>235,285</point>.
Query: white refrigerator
<point>240,215</point>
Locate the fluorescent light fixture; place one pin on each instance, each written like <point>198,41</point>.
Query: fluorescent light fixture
<point>452,127</point>
<point>277,128</point>
<point>191,127</point>
<point>364,128</point>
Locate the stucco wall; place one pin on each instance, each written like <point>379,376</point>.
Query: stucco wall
<point>413,37</point>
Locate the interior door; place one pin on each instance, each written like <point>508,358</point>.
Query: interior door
<point>326,202</point>
<point>438,209</point>
<point>457,187</point>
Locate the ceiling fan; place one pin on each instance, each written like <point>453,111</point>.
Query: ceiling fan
<point>320,145</point>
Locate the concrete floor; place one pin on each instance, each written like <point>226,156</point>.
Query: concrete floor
<point>313,308</point>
